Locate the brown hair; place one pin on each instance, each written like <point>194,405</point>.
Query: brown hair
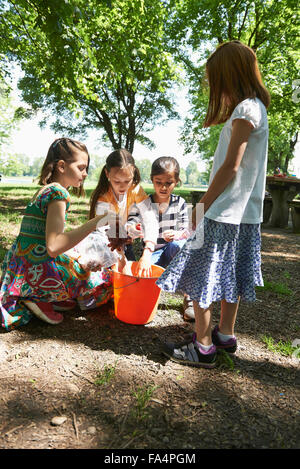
<point>61,149</point>
<point>117,159</point>
<point>233,73</point>
<point>165,164</point>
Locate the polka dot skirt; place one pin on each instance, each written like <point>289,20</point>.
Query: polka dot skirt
<point>226,264</point>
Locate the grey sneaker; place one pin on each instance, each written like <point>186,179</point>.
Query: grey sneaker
<point>189,353</point>
<point>188,309</point>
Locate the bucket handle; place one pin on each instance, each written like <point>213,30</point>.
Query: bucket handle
<point>124,286</point>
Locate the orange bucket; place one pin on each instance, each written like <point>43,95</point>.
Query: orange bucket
<point>136,298</point>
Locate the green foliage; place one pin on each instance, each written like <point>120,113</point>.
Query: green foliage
<point>105,65</point>
<point>144,166</point>
<point>106,375</point>
<point>270,28</point>
<point>224,361</point>
<point>280,288</point>
<point>113,65</point>
<point>142,395</point>
<point>284,348</point>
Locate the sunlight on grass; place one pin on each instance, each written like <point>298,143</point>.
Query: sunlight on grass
<point>284,348</point>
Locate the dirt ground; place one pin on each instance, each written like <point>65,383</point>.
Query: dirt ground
<point>113,388</point>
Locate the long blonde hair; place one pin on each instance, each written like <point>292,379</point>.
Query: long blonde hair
<point>233,75</point>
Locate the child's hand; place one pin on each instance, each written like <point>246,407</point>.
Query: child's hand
<point>169,235</point>
<point>135,231</point>
<point>144,265</point>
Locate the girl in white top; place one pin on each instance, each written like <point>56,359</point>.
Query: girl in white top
<point>227,266</point>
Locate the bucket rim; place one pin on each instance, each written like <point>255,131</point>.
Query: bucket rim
<point>135,276</point>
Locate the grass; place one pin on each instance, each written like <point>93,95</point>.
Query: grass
<point>283,348</point>
<point>280,288</point>
<point>14,199</point>
<point>106,375</point>
<point>142,395</point>
<point>174,303</point>
<point>224,361</point>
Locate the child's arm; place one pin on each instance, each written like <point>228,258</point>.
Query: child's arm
<point>143,212</point>
<point>144,264</point>
<point>182,224</point>
<point>134,223</point>
<point>150,237</point>
<point>58,242</point>
<point>241,130</point>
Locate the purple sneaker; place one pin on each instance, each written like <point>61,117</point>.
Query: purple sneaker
<point>189,353</point>
<point>229,346</point>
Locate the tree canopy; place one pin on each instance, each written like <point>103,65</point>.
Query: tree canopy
<point>270,27</point>
<point>102,63</point>
<point>114,65</point>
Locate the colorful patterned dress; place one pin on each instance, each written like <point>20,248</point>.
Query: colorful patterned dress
<point>28,272</point>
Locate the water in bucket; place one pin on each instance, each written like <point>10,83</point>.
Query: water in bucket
<point>136,298</point>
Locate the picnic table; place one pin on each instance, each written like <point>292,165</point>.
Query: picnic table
<point>283,190</point>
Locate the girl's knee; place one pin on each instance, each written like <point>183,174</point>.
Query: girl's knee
<point>173,247</point>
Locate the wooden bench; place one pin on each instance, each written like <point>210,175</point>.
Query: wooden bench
<point>294,205</point>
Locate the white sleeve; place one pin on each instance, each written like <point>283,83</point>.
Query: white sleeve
<point>149,220</point>
<point>250,110</point>
<point>102,207</point>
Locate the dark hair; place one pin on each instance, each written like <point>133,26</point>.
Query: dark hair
<point>165,164</point>
<point>117,159</point>
<point>232,72</point>
<point>61,149</point>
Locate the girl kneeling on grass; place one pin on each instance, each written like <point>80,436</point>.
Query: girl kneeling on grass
<point>39,276</point>
<point>228,265</point>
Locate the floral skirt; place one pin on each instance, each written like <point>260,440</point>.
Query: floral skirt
<point>227,265</point>
<point>52,281</point>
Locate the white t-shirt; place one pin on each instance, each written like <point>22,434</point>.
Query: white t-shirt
<point>242,199</point>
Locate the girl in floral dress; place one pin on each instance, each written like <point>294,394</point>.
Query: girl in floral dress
<point>41,272</point>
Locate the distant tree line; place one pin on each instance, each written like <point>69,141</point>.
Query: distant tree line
<point>21,165</point>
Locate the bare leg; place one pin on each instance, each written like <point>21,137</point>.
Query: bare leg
<point>203,324</point>
<point>228,317</point>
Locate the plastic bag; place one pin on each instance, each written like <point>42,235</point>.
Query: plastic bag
<point>135,230</point>
<point>95,252</point>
